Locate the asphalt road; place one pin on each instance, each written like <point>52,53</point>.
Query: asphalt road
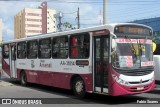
<point>61,97</point>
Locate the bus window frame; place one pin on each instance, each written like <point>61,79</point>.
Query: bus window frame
<point>22,50</point>
<point>39,56</point>
<point>76,35</point>
<point>36,40</point>
<point>63,36</point>
<point>5,51</point>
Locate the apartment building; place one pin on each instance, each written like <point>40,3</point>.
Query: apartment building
<point>34,21</point>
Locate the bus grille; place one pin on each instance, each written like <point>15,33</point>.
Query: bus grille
<point>136,72</point>
<point>139,82</point>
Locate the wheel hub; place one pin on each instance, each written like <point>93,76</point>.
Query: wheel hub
<point>79,86</point>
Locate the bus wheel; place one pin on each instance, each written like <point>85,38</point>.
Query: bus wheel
<point>23,79</point>
<point>79,87</point>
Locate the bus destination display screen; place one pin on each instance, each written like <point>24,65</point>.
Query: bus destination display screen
<point>137,30</point>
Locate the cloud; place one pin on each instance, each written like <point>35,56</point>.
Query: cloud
<point>9,31</point>
<point>8,9</point>
<point>89,13</point>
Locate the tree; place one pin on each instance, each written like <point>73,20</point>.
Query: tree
<point>67,25</point>
<point>0,43</point>
<point>156,39</point>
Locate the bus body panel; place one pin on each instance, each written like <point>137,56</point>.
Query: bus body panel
<point>6,66</point>
<point>59,72</point>
<point>54,72</point>
<point>135,88</point>
<point>55,79</point>
<point>118,90</point>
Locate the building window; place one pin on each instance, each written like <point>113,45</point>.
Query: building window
<point>33,20</point>
<point>79,46</point>
<point>21,50</point>
<point>32,25</point>
<point>6,51</point>
<point>33,14</point>
<point>32,49</point>
<point>60,47</point>
<point>34,31</point>
<point>45,48</point>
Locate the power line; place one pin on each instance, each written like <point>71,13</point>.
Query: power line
<point>71,12</point>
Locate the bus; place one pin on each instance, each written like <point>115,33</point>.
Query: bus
<point>156,58</point>
<point>111,59</point>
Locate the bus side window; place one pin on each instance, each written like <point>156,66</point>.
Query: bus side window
<point>74,50</point>
<point>45,48</point>
<point>79,46</point>
<point>6,51</point>
<point>60,47</point>
<point>32,49</point>
<point>21,51</point>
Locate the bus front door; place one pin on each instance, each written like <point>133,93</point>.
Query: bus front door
<point>12,61</point>
<point>101,59</point>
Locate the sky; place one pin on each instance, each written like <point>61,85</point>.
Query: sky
<point>90,11</point>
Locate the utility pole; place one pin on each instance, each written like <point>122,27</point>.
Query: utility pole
<point>105,2</point>
<point>60,21</point>
<point>78,18</point>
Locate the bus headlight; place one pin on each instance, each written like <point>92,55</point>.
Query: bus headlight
<point>120,81</point>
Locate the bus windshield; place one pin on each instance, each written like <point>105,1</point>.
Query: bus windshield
<point>132,53</point>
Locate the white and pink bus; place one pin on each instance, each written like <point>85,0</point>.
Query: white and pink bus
<point>113,59</point>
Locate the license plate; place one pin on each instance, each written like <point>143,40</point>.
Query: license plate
<point>140,88</point>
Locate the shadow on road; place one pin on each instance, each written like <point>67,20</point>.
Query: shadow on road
<point>155,92</point>
<point>89,98</point>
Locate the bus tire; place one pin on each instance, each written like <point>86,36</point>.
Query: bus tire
<point>79,87</point>
<point>23,78</point>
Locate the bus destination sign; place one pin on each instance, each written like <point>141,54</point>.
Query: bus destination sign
<point>133,30</point>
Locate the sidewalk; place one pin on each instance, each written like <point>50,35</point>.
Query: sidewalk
<point>5,82</point>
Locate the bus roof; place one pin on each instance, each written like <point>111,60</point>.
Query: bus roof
<point>110,27</point>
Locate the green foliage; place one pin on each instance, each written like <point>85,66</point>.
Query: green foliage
<point>67,25</point>
<point>0,44</point>
<point>156,39</point>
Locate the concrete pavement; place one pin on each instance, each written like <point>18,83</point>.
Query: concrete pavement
<point>4,83</point>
